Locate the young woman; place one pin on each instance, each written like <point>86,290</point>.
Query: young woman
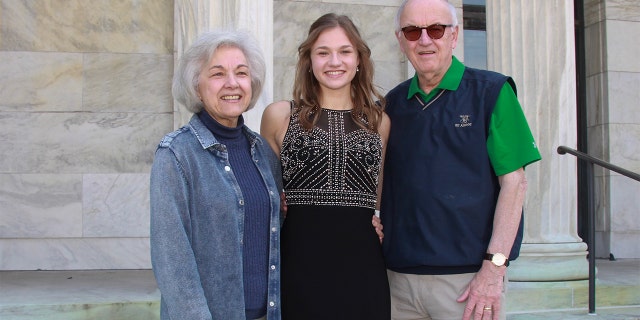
<point>331,140</point>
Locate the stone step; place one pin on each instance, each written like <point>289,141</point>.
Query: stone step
<point>75,295</point>
<point>133,295</point>
<point>548,296</point>
<point>602,313</point>
<point>617,295</point>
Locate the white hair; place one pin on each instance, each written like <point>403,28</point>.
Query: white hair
<point>185,78</point>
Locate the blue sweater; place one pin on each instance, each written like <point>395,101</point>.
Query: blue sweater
<point>256,222</point>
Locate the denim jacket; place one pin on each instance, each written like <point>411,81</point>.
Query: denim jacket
<point>197,223</point>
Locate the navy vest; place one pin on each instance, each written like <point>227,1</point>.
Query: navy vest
<point>439,188</point>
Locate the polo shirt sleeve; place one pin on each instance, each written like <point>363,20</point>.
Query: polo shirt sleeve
<point>510,143</point>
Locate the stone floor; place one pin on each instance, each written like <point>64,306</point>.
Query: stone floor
<point>617,295</point>
<point>66,295</point>
<point>132,294</point>
<point>603,313</point>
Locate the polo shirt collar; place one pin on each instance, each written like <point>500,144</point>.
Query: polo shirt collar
<point>450,81</point>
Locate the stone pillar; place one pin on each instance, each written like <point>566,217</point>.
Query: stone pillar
<point>533,41</point>
<point>195,16</point>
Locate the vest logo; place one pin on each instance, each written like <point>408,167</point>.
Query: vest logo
<point>465,121</point>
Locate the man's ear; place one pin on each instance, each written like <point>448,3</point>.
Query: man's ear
<point>400,37</point>
<point>454,42</point>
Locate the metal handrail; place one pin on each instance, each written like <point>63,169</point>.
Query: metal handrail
<point>607,165</point>
<point>590,161</point>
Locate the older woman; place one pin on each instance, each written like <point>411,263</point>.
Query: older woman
<point>215,191</point>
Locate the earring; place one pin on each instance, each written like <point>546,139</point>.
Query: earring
<point>357,69</point>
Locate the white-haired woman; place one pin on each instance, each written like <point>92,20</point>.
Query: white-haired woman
<point>215,191</point>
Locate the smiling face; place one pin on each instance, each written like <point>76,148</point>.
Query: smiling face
<point>334,60</point>
<point>224,85</point>
<point>430,58</point>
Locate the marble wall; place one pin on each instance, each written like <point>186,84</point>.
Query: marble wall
<point>93,82</point>
<point>84,100</point>
<point>613,78</point>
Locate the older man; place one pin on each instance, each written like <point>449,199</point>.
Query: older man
<point>454,182</point>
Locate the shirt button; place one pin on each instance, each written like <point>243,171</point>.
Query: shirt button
<point>271,303</point>
<point>273,267</point>
<point>241,202</point>
<point>274,229</point>
<point>227,168</point>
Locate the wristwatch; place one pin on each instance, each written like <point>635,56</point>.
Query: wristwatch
<point>498,259</point>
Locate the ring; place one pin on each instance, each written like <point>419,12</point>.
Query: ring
<point>487,308</point>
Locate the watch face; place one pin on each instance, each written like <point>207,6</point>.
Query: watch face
<point>498,259</point>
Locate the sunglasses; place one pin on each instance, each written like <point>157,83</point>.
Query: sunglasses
<point>434,31</point>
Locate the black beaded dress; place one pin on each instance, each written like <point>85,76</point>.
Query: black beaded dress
<point>332,263</point>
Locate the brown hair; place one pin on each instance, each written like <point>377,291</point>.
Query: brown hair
<point>306,89</point>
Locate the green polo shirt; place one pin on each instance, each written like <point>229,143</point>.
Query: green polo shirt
<point>510,143</point>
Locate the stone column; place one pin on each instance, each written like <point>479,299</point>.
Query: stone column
<point>533,41</point>
<point>195,16</point>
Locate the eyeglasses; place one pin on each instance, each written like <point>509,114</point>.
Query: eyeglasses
<point>434,31</point>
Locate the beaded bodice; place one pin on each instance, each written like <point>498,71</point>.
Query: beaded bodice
<point>336,163</point>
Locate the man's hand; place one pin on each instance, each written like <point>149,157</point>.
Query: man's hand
<point>378,225</point>
<point>484,293</point>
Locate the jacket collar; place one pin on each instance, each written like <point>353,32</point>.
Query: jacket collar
<point>208,140</point>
